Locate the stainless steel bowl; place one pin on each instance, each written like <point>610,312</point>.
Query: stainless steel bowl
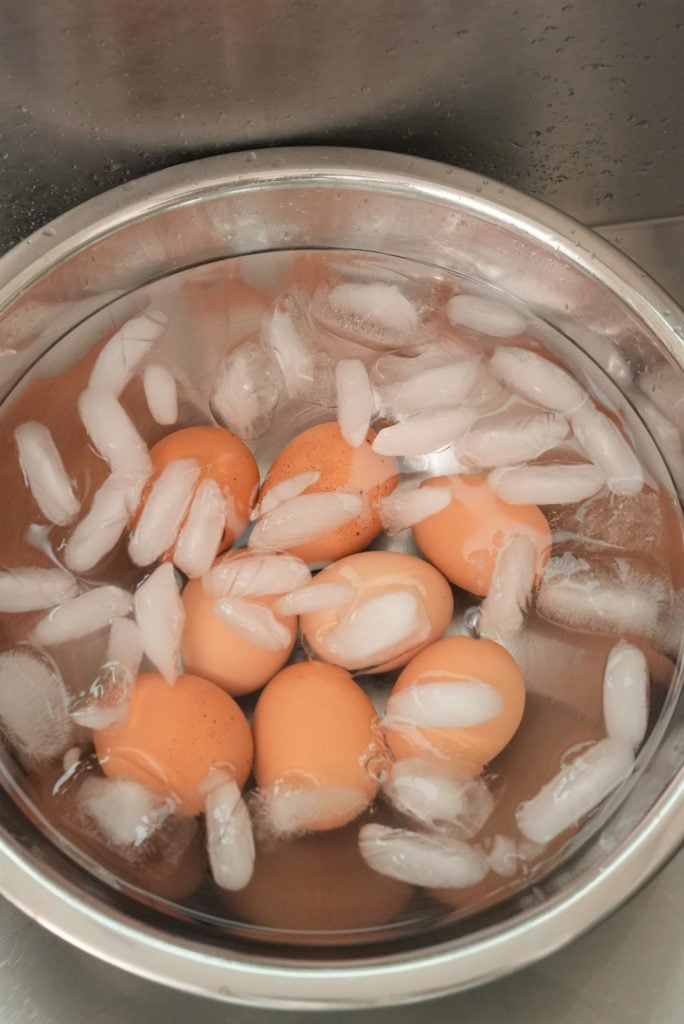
<point>328,198</point>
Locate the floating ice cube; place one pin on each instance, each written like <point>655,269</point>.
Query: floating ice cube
<point>355,401</point>
<point>503,856</point>
<point>305,518</point>
<point>509,439</point>
<point>286,811</point>
<point>253,621</point>
<point>486,393</point>
<point>315,597</point>
<point>576,790</point>
<point>34,706</point>
<point>424,432</point>
<point>626,684</point>
<point>376,307</point>
<point>199,540</point>
<point>604,444</point>
<point>444,704</point>
<point>537,379</point>
<point>230,840</point>
<point>256,575</point>
<point>621,600</point>
<point>161,393</point>
<point>436,862</point>
<point>438,798</point>
<point>402,509</point>
<point>27,590</point>
<point>44,473</point>
<point>103,525</point>
<point>547,485</point>
<point>425,382</point>
<point>113,434</point>
<point>125,350</point>
<point>294,354</point>
<point>485,316</point>
<point>124,646</point>
<point>107,700</point>
<point>285,490</point>
<point>164,511</point>
<point>125,813</point>
<point>82,616</point>
<point>247,389</point>
<point>510,591</point>
<point>380,628</point>
<point>160,616</point>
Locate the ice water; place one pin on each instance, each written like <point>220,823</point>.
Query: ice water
<point>471,383</point>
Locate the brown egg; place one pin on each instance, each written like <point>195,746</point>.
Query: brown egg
<point>173,736</point>
<point>357,471</point>
<point>223,458</point>
<point>549,729</point>
<point>318,884</point>
<point>454,660</point>
<point>213,650</point>
<point>313,730</point>
<point>372,574</point>
<point>464,539</point>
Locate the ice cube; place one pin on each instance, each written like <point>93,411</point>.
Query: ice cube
<point>82,616</point>
<point>403,509</point>
<point>613,597</point>
<point>438,378</point>
<point>285,490</point>
<point>103,525</point>
<point>503,856</point>
<point>304,518</point>
<point>285,811</point>
<point>256,575</point>
<point>377,312</point>
<point>253,621</point>
<point>44,473</point>
<point>164,511</point>
<point>547,484</point>
<point>161,393</point>
<point>125,813</point>
<point>230,840</point>
<point>444,704</point>
<point>124,646</point>
<point>537,379</point>
<point>626,684</point>
<point>437,798</point>
<point>484,315</point>
<point>27,590</point>
<point>199,540</point>
<point>605,445</point>
<point>424,432</point>
<point>160,617</point>
<point>436,862</point>
<point>34,706</point>
<point>125,350</point>
<point>576,790</point>
<point>510,438</point>
<point>355,401</point>
<point>113,434</point>
<point>380,628</point>
<point>510,590</point>
<point>315,597</point>
<point>247,389</point>
<point>293,352</point>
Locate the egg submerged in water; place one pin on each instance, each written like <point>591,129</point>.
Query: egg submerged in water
<point>314,734</point>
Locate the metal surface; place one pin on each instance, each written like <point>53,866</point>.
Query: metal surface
<point>575,103</point>
<point>414,209</point>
